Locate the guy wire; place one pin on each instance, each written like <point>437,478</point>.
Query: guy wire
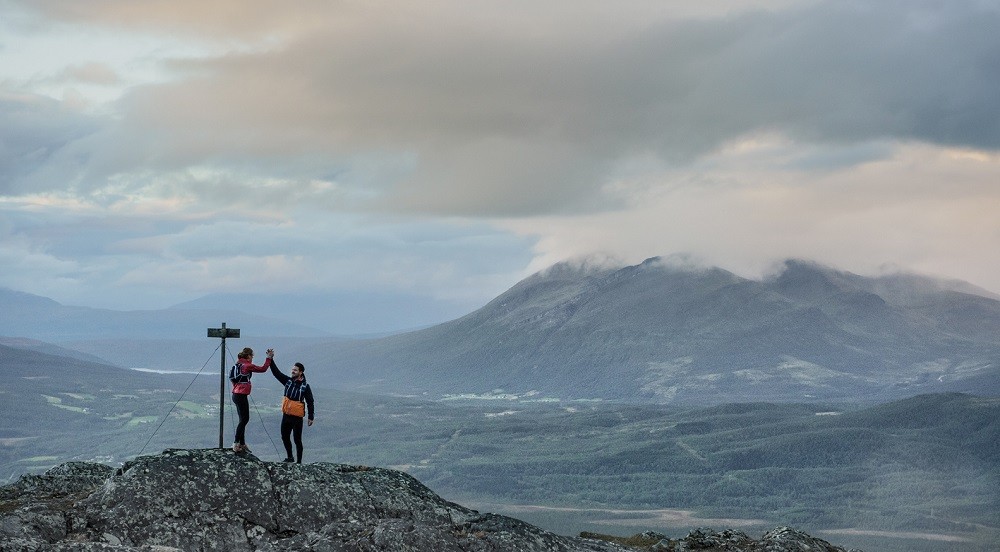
<point>266,432</point>
<point>178,401</point>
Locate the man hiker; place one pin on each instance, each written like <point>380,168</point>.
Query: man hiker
<point>297,396</point>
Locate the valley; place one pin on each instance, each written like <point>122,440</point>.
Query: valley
<point>894,474</point>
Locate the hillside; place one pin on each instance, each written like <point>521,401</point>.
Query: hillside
<point>921,472</point>
<point>54,407</point>
<point>658,333</point>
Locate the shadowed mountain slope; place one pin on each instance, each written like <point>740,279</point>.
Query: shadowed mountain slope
<point>653,332</point>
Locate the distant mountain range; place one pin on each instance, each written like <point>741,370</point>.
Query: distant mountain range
<point>32,316</point>
<point>652,332</point>
<point>659,333</point>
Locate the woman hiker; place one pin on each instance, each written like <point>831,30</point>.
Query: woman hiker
<point>298,394</point>
<point>240,375</point>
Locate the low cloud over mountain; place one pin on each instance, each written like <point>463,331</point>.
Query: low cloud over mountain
<point>656,332</point>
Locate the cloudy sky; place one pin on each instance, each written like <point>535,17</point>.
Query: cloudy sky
<point>154,152</point>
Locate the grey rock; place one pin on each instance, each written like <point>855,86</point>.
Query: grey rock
<point>786,539</point>
<point>217,500</point>
<point>781,539</point>
<point>214,499</point>
<point>68,478</point>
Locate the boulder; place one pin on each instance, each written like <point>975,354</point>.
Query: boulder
<point>781,539</point>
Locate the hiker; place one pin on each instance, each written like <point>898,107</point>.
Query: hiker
<point>298,394</point>
<point>240,375</point>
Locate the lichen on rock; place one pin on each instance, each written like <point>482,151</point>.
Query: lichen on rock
<point>213,499</point>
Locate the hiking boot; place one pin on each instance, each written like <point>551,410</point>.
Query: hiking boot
<point>237,447</point>
<point>288,460</point>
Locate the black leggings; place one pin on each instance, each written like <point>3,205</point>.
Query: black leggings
<point>242,403</point>
<point>292,425</point>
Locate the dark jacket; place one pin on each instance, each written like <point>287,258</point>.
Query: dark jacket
<point>295,389</point>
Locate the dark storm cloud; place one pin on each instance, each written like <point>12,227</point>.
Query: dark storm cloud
<point>502,121</point>
<point>535,111</point>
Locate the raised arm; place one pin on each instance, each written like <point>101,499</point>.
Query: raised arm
<point>247,367</point>
<point>277,373</point>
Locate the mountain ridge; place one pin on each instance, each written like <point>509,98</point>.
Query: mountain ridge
<point>37,317</point>
<point>658,332</point>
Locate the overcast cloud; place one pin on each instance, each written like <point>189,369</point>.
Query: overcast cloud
<point>152,152</point>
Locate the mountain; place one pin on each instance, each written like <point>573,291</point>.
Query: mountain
<point>653,332</point>
<point>35,345</point>
<point>215,500</point>
<point>661,333</point>
<point>31,316</point>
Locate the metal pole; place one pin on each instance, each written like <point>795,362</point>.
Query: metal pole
<point>222,386</point>
<point>223,332</point>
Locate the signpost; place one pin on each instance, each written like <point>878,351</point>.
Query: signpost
<point>223,332</point>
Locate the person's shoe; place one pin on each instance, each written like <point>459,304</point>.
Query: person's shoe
<point>245,449</point>
<point>237,447</point>
<point>288,460</point>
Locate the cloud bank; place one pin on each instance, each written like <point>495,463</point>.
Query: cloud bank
<point>854,132</point>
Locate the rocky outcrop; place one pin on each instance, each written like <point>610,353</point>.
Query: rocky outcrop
<point>782,539</point>
<point>216,500</point>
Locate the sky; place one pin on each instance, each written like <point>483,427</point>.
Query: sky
<point>155,152</point>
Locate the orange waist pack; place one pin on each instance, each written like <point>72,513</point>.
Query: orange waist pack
<point>293,408</point>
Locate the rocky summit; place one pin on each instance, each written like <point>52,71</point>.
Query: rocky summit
<point>213,499</point>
